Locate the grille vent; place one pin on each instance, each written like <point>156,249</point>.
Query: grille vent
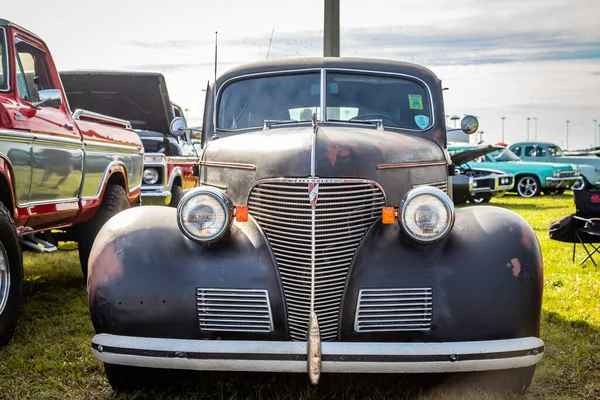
<point>384,310</point>
<point>345,210</point>
<point>234,310</point>
<point>443,185</point>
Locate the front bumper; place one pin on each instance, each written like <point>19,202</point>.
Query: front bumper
<point>560,183</point>
<point>334,357</point>
<point>156,197</point>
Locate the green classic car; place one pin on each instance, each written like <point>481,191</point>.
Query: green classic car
<point>530,178</point>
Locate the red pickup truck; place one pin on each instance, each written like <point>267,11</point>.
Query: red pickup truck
<point>58,170</point>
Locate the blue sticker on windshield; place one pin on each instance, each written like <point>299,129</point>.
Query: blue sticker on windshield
<point>422,121</point>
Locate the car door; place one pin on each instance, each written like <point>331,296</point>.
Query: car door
<point>57,155</point>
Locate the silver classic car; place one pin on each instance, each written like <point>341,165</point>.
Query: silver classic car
<point>322,239</point>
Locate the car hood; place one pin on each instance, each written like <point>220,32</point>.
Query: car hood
<point>391,159</point>
<point>472,154</point>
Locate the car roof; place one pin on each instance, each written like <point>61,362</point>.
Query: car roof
<point>534,142</point>
<point>6,23</point>
<point>327,62</point>
<point>110,72</point>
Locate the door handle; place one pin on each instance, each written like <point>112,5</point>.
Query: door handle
<point>69,126</point>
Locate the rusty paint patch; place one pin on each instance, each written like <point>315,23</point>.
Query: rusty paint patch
<point>515,265</point>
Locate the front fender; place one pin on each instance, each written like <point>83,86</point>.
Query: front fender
<point>486,278</point>
<point>143,275</point>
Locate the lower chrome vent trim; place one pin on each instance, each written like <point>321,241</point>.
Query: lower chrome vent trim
<point>399,309</point>
<point>234,310</point>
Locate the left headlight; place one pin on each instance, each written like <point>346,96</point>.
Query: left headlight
<point>205,214</point>
<point>556,173</point>
<point>426,214</point>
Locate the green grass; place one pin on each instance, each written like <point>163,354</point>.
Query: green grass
<point>50,355</point>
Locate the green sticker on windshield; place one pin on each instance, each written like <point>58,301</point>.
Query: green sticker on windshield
<point>416,101</point>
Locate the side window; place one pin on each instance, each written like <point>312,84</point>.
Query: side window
<point>3,61</point>
<point>517,150</point>
<point>529,151</point>
<point>178,112</point>
<point>32,71</point>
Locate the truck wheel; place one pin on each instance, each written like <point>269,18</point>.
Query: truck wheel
<point>176,195</point>
<point>528,186</point>
<point>114,201</point>
<point>124,378</point>
<point>11,276</point>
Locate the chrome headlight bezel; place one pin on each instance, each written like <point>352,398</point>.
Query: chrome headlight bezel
<point>440,196</point>
<point>154,179</point>
<point>195,195</point>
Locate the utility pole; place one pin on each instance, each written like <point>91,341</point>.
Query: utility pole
<point>528,119</point>
<point>567,144</point>
<point>331,29</point>
<point>535,121</point>
<point>216,33</point>
<point>503,118</point>
<point>595,134</point>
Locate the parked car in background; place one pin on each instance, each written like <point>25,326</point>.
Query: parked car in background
<point>171,160</point>
<point>58,169</point>
<point>321,239</point>
<point>530,178</point>
<point>477,185</point>
<point>550,152</point>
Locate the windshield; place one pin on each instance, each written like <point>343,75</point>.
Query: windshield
<point>350,97</point>
<point>502,155</point>
<point>397,102</point>
<point>249,102</point>
<point>555,151</point>
<point>3,61</point>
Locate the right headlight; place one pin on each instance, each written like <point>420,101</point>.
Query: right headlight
<point>151,176</point>
<point>426,214</point>
<point>556,174</point>
<point>205,214</point>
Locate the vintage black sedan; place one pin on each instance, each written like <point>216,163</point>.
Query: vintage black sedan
<point>322,239</point>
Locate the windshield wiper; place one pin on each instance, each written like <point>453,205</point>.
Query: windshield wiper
<point>377,122</point>
<point>270,122</point>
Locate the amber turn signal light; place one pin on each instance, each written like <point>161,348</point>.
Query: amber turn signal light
<point>241,213</point>
<point>388,215</point>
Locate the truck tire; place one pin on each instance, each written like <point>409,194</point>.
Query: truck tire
<point>11,276</point>
<point>506,381</point>
<point>176,195</point>
<point>124,378</point>
<point>114,201</point>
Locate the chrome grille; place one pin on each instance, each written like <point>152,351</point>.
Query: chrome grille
<point>234,310</point>
<point>567,174</point>
<point>345,210</point>
<point>403,309</point>
<point>442,185</point>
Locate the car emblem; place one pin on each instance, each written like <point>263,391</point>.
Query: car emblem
<point>313,192</point>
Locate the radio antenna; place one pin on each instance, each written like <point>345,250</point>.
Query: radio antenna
<point>270,42</point>
<point>216,42</point>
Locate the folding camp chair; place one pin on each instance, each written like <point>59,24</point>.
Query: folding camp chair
<point>587,223</point>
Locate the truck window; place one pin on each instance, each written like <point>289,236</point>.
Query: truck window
<point>178,112</point>
<point>32,71</point>
<point>3,61</point>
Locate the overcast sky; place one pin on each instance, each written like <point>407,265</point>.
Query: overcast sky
<point>509,58</point>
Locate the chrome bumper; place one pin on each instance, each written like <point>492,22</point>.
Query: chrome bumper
<point>156,198</point>
<point>334,357</point>
<point>557,183</point>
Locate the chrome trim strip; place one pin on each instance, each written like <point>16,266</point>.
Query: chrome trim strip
<point>7,54</point>
<point>96,145</point>
<point>96,117</point>
<point>41,203</point>
<point>228,165</point>
<point>412,165</point>
<point>346,357</point>
<point>22,136</point>
<point>44,138</point>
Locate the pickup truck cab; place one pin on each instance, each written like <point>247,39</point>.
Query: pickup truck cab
<point>58,170</point>
<point>142,98</point>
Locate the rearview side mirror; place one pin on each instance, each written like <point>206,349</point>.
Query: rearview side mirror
<point>49,98</point>
<point>469,124</point>
<point>178,126</point>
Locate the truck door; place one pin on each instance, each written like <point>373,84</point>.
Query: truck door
<point>57,156</point>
